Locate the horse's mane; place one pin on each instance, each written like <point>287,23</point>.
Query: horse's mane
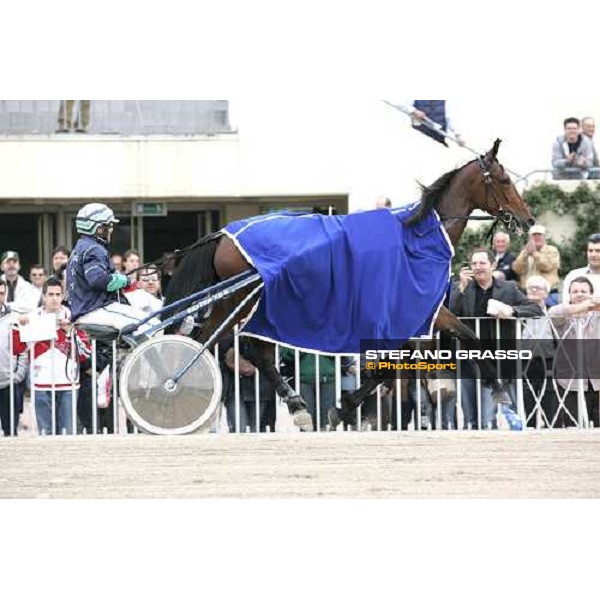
<point>432,195</point>
<point>194,272</point>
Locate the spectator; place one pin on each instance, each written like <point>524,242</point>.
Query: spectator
<point>503,259</point>
<point>53,367</point>
<point>572,153</point>
<point>87,404</point>
<point>37,277</point>
<point>470,298</point>
<point>592,271</point>
<point>248,404</point>
<point>588,128</point>
<point>117,260</point>
<point>65,116</point>
<point>149,280</point>
<point>145,293</point>
<point>435,111</point>
<point>383,202</point>
<point>60,258</point>
<point>22,297</point>
<point>19,367</point>
<point>538,337</point>
<point>539,258</point>
<point>580,310</point>
<point>309,382</point>
<point>131,262</point>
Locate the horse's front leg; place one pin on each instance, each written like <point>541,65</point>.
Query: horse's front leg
<point>262,356</point>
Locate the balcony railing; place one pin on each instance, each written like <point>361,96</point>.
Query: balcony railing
<point>121,117</point>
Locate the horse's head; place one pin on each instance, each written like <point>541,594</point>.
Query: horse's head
<point>494,192</point>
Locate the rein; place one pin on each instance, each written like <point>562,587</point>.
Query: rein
<point>176,254</point>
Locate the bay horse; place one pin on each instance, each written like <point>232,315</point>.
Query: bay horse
<point>480,184</point>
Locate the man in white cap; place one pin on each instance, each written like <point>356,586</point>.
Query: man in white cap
<point>22,297</point>
<point>539,258</point>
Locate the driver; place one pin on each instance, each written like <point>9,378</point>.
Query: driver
<point>94,288</point>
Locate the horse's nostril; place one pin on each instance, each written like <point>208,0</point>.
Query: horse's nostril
<point>530,222</point>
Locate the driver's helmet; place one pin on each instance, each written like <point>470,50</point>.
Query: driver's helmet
<point>92,216</point>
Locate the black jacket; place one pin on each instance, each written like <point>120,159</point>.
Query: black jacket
<point>505,265</point>
<point>463,305</point>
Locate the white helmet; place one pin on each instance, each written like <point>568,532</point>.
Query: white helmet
<point>91,216</point>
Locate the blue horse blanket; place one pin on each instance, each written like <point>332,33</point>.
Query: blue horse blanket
<point>331,282</point>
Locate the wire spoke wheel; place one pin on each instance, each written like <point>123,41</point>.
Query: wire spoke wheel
<point>153,402</point>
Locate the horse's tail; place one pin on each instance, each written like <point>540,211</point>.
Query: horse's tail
<point>195,272</point>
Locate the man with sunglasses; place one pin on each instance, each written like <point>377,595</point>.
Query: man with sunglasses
<point>592,271</point>
<point>93,285</point>
<point>37,278</point>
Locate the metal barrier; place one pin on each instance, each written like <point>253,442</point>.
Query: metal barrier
<point>548,175</point>
<point>249,405</point>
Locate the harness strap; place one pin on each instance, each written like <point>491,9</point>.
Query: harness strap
<point>177,253</point>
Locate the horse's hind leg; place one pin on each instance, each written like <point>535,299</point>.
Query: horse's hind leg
<point>262,356</point>
<point>450,324</point>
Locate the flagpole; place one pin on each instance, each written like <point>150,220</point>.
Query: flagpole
<point>440,130</point>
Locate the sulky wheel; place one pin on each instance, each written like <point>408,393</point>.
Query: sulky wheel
<point>153,402</point>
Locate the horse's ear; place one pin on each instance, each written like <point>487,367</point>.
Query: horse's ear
<point>496,147</point>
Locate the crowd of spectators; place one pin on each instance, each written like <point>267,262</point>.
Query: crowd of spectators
<point>487,287</point>
<point>56,372</point>
<point>574,154</point>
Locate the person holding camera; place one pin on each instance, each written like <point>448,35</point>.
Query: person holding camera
<point>478,296</point>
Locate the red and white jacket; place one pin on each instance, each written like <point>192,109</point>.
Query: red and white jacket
<point>52,364</point>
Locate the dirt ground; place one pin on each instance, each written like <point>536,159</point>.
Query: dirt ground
<point>559,464</point>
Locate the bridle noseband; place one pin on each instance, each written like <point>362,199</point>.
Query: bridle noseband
<point>507,218</point>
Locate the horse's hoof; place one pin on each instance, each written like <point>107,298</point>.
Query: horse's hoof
<point>334,417</point>
<point>295,404</point>
<point>303,420</point>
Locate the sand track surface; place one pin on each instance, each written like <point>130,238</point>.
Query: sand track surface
<point>561,464</point>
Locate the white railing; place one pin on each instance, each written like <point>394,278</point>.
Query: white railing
<point>547,176</point>
<point>249,405</point>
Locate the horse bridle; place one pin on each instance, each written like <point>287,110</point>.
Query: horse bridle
<point>506,218</point>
